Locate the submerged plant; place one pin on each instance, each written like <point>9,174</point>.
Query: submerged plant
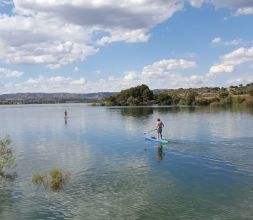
<point>7,160</point>
<point>56,179</point>
<point>39,179</point>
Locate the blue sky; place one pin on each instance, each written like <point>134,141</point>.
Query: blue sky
<point>83,46</point>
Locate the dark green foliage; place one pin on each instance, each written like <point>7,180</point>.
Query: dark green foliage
<point>163,99</point>
<point>138,95</point>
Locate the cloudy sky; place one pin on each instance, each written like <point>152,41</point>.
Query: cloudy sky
<point>84,46</point>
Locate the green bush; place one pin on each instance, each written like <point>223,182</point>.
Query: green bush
<point>134,96</point>
<point>163,99</point>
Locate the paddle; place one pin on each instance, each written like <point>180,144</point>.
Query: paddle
<point>150,131</point>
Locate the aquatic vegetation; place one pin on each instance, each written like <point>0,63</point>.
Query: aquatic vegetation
<point>55,179</point>
<point>7,160</point>
<point>39,179</point>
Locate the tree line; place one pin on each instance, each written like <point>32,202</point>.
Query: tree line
<point>215,96</point>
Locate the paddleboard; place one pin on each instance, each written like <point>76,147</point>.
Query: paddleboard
<point>154,139</point>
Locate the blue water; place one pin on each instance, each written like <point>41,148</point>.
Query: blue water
<point>206,172</point>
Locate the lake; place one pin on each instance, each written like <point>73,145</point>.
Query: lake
<point>206,172</point>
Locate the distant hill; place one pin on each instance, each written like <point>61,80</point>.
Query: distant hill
<point>24,98</point>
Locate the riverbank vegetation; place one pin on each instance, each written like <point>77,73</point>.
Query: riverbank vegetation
<point>206,96</point>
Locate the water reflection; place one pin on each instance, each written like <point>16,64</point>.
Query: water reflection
<point>140,112</point>
<point>160,153</point>
<point>175,109</point>
<point>134,111</point>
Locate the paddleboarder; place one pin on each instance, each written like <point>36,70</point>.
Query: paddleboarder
<point>159,125</point>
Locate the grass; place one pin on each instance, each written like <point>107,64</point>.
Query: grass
<point>55,179</point>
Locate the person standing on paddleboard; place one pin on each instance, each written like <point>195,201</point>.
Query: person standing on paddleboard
<point>159,125</point>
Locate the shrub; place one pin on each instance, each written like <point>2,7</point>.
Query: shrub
<point>56,179</point>
<point>190,98</point>
<point>223,94</point>
<point>163,99</point>
<point>250,91</point>
<point>7,160</point>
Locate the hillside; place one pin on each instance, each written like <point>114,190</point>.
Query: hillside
<point>28,98</point>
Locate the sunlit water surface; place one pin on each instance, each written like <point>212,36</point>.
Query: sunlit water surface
<point>206,172</point>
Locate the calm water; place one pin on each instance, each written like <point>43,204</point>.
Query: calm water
<point>205,173</point>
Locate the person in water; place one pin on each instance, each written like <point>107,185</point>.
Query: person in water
<point>159,126</point>
<point>65,114</point>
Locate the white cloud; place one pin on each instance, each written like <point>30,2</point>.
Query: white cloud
<point>56,33</point>
<point>28,40</point>
<point>131,76</point>
<point>164,67</point>
<point>244,11</point>
<point>126,14</point>
<point>51,84</point>
<point>241,7</point>
<point>234,42</point>
<point>196,3</point>
<point>220,68</point>
<point>216,40</point>
<point>160,74</point>
<point>9,73</point>
<point>239,56</point>
<point>124,35</point>
<point>230,60</point>
<point>80,81</point>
